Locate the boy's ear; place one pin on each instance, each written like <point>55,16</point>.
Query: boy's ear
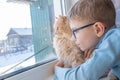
<point>99,28</point>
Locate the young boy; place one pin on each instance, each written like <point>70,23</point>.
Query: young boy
<point>93,26</point>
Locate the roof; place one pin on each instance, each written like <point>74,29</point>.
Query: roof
<point>20,31</point>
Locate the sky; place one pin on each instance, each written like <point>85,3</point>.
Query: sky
<point>13,15</point>
<point>16,15</point>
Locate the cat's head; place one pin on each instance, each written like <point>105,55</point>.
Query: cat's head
<point>62,28</point>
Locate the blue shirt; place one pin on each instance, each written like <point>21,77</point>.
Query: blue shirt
<point>106,56</point>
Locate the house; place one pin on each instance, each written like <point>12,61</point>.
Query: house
<point>19,39</point>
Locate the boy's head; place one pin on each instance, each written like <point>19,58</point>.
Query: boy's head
<point>97,16</point>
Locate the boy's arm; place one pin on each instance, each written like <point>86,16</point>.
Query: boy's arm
<point>101,60</point>
<point>90,70</point>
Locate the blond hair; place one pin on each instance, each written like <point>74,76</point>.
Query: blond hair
<point>94,10</point>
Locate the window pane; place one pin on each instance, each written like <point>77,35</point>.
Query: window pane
<point>117,7</point>
<point>26,33</point>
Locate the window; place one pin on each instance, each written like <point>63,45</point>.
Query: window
<point>26,32</point>
<point>117,7</point>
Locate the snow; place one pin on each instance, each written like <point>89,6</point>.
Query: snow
<point>23,31</point>
<point>9,60</point>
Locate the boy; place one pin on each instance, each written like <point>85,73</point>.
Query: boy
<point>93,26</point>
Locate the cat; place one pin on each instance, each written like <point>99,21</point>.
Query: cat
<point>65,48</point>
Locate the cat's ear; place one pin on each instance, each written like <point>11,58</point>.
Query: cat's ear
<point>58,17</point>
<point>65,17</point>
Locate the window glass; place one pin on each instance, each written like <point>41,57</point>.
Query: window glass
<point>117,7</point>
<point>26,32</point>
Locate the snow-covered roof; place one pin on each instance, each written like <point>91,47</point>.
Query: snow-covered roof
<point>20,31</point>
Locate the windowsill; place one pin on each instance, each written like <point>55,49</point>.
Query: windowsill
<point>25,69</point>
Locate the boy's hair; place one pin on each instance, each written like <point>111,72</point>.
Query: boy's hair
<point>93,11</point>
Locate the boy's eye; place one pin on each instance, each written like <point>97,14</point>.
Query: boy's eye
<point>76,31</point>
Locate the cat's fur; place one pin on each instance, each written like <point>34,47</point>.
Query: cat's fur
<point>65,47</point>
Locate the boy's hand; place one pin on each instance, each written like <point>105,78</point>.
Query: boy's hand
<point>60,64</point>
<point>88,53</point>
